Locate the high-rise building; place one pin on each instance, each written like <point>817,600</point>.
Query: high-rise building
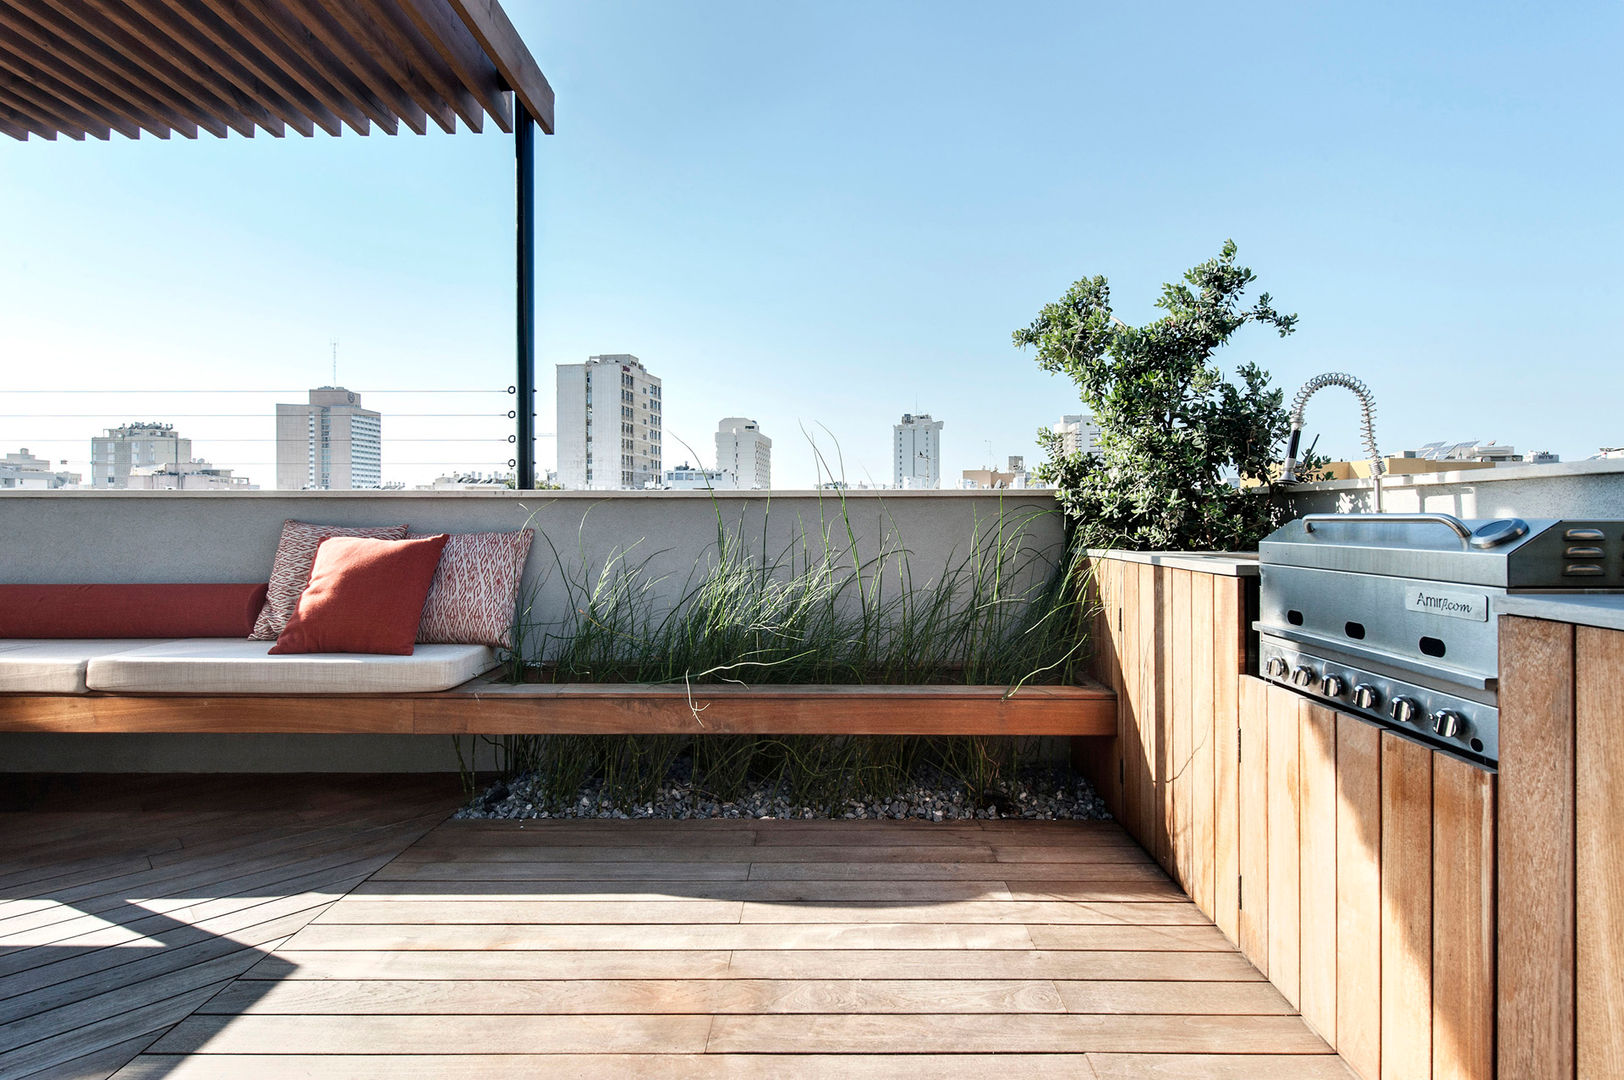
<point>134,446</point>
<point>328,444</point>
<point>917,451</point>
<point>745,453</point>
<point>609,424</point>
<point>1078,434</point>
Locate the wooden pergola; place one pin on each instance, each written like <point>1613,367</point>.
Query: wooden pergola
<point>95,68</point>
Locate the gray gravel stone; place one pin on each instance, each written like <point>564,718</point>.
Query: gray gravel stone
<point>1044,795</point>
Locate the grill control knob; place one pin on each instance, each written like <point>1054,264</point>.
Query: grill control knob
<point>1332,686</point>
<point>1448,723</point>
<point>1366,696</point>
<point>1303,676</point>
<point>1276,667</point>
<point>1404,709</point>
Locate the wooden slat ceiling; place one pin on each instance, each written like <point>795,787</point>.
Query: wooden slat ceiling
<point>99,67</point>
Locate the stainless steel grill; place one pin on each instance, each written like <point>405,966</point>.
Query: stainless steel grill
<point>1395,616</point>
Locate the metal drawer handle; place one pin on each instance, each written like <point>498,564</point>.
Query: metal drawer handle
<point>1449,521</point>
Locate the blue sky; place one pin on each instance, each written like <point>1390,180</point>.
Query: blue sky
<point>824,215</point>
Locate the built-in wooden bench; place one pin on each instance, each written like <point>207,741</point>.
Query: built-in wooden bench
<point>486,706</point>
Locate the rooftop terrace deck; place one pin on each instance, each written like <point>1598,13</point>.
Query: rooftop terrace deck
<point>185,928</point>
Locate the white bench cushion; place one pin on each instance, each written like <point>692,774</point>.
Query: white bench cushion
<point>235,666</point>
<point>51,666</point>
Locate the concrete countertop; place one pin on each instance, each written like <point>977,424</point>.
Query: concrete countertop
<point>1222,563</point>
<point>1583,609</point>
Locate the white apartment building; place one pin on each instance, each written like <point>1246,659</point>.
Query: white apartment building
<point>23,471</point>
<point>195,475</point>
<point>916,445</point>
<point>1078,434</point>
<point>134,446</point>
<point>743,452</point>
<point>329,443</point>
<point>686,477</point>
<point>609,424</point>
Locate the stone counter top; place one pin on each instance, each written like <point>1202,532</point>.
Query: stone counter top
<point>1583,609</point>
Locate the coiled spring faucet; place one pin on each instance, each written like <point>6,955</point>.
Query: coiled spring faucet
<point>1367,415</point>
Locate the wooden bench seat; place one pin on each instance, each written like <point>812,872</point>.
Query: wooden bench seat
<point>485,706</point>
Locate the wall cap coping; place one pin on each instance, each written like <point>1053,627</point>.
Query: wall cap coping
<point>1220,563</point>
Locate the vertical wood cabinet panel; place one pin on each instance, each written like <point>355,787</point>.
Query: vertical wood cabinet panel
<point>1132,746</point>
<point>1284,882</point>
<point>1108,579</point>
<point>1406,839</point>
<point>1180,776</point>
<point>1254,821</point>
<point>1316,867</point>
<point>1599,865</point>
<point>1535,912</point>
<point>1162,663</point>
<point>1462,920</point>
<point>1201,742</point>
<point>1151,715</point>
<point>1229,656</point>
<point>1358,894</point>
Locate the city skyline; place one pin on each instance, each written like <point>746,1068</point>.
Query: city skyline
<point>854,239</point>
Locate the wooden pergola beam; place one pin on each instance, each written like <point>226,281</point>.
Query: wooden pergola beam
<point>502,43</point>
<point>28,82</point>
<point>49,52</point>
<point>161,66</point>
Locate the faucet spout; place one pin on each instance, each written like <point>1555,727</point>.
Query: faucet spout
<point>1367,414</point>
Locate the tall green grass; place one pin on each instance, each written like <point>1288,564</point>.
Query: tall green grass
<point>1002,611</point>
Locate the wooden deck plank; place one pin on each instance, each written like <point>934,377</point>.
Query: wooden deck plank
<point>631,1067</point>
<point>962,964</point>
<point>1217,1067</point>
<point>1014,1034</point>
<point>565,997</point>
<point>704,949</point>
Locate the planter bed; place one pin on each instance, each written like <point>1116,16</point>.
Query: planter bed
<point>484,706</point>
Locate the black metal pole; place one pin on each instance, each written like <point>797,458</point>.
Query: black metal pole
<point>524,142</point>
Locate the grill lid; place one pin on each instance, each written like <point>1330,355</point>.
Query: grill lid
<point>1500,552</point>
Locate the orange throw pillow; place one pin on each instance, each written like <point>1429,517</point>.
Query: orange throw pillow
<point>364,596</point>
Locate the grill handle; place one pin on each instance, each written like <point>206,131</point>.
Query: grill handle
<point>1448,521</point>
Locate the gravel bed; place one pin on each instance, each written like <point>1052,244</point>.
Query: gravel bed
<point>1039,795</point>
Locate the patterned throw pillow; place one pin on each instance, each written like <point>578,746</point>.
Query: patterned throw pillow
<point>290,570</point>
<point>476,589</point>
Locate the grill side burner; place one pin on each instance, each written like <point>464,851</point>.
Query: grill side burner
<point>1395,616</point>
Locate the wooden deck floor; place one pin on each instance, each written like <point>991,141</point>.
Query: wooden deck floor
<point>352,939</point>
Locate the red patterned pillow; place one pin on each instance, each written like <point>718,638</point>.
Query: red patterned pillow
<point>476,589</point>
<point>290,570</point>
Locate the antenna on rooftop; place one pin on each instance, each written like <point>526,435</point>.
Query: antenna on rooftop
<point>334,342</point>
